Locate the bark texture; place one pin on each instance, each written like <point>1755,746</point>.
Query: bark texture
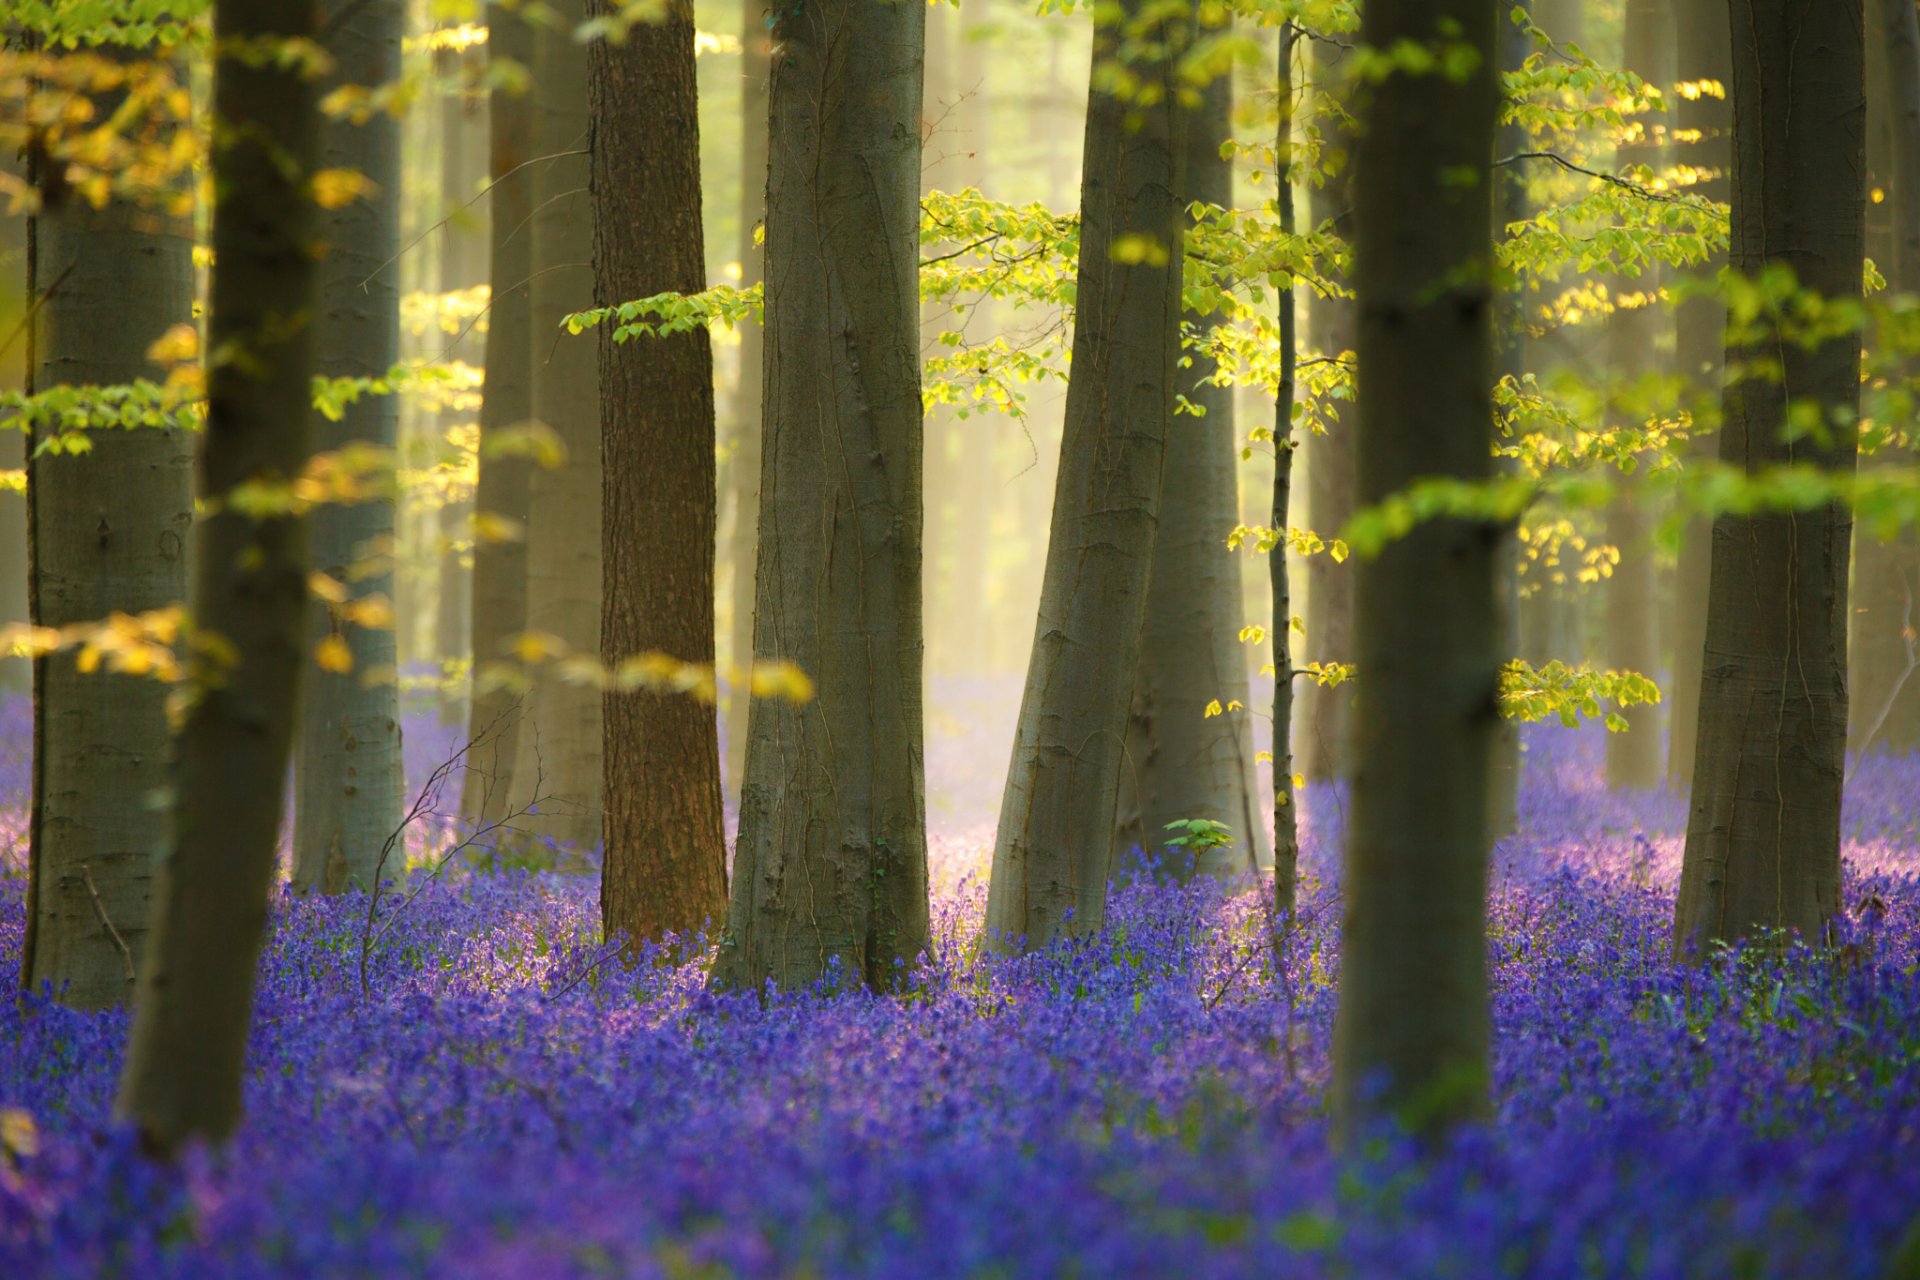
<point>1883,649</point>
<point>1180,762</point>
<point>1410,1037</point>
<point>1763,834</point>
<point>249,586</point>
<point>500,495</point>
<point>561,739</point>
<point>1051,857</point>
<point>347,779</point>
<point>1703,49</point>
<point>109,535</point>
<point>1286,826</point>
<point>666,853</point>
<point>830,873</point>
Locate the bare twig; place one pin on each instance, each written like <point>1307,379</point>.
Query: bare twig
<point>100,912</point>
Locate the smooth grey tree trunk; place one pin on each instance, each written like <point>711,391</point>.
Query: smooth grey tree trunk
<point>1180,762</point>
<point>1052,854</point>
<point>1763,835</point>
<point>561,737</point>
<point>347,777</point>
<point>500,564</point>
<point>830,872</point>
<point>108,532</point>
<point>1410,1036</point>
<point>186,1053</point>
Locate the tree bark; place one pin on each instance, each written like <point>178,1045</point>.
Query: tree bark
<point>1286,827</point>
<point>249,587</point>
<point>562,738</point>
<point>108,534</point>
<point>666,850</point>
<point>1326,713</point>
<point>1704,51</point>
<point>1633,335</point>
<point>1410,1037</point>
<point>347,781</point>
<point>1051,858</point>
<point>500,564</point>
<point>1180,762</point>
<point>830,873</point>
<point>1882,646</point>
<point>1763,837</point>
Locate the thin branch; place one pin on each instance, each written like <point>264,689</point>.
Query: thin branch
<point>1612,179</point>
<point>100,912</point>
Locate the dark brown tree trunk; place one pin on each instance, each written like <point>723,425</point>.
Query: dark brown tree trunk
<point>1704,52</point>
<point>249,587</point>
<point>1410,1038</point>
<point>1633,333</point>
<point>666,851</point>
<point>500,495</point>
<point>830,877</point>
<point>1763,839</point>
<point>1051,858</point>
<point>1286,827</point>
<point>108,532</point>
<point>1884,638</point>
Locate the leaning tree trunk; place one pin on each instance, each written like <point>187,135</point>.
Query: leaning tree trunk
<point>249,587</point>
<point>1181,762</point>
<point>500,495</point>
<point>1763,837</point>
<point>830,873</point>
<point>1883,651</point>
<point>108,534</point>
<point>347,776</point>
<point>756,54</point>
<point>560,742</point>
<point>1410,1038</point>
<point>1052,853</point>
<point>1633,333</point>
<point>1703,51</point>
<point>666,849</point>
<point>1326,712</point>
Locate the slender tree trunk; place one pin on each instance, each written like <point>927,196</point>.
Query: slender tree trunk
<point>187,1050</point>
<point>1703,49</point>
<point>666,849</point>
<point>1327,712</point>
<point>830,876</point>
<point>1763,839</point>
<point>1051,858</point>
<point>500,495</point>
<point>1410,1038</point>
<point>1884,639</point>
<point>562,741</point>
<point>756,66</point>
<point>1180,762</point>
<point>16,674</point>
<point>1286,829</point>
<point>1633,332</point>
<point>108,534</point>
<point>348,783</point>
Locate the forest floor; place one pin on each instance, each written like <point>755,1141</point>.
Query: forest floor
<point>506,1101</point>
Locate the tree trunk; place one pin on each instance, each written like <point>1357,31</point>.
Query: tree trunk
<point>1051,857</point>
<point>348,784</point>
<point>1410,1038</point>
<point>1286,827</point>
<point>108,534</point>
<point>16,674</point>
<point>1703,49</point>
<point>1882,647</point>
<point>249,586</point>
<point>1180,762</point>
<point>1763,838</point>
<point>830,873</point>
<point>666,848</point>
<point>500,495</point>
<point>756,66</point>
<point>1633,332</point>
<point>1326,713</point>
<point>562,739</point>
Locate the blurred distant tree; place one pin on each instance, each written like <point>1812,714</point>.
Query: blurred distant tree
<point>1763,836</point>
